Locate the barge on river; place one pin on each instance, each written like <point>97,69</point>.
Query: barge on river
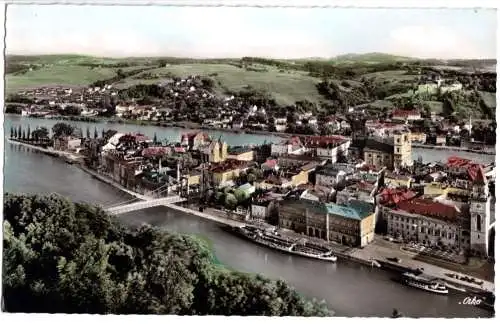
<point>277,242</point>
<point>424,283</point>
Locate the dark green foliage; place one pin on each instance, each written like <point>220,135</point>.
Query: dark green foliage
<point>61,257</point>
<point>95,132</point>
<point>62,129</point>
<point>40,133</point>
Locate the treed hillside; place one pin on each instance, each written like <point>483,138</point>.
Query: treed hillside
<point>64,257</point>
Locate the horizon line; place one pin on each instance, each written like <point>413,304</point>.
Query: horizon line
<point>263,57</point>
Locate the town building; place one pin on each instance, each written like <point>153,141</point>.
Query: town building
<point>393,152</point>
<point>427,222</point>
<point>331,175</point>
<point>240,153</point>
<point>351,224</point>
<point>229,170</point>
<point>194,140</point>
<point>406,115</point>
<point>327,147</point>
<point>67,143</point>
<point>214,151</point>
<point>292,145</point>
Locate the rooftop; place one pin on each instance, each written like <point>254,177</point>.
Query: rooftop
<point>390,196</point>
<point>239,149</point>
<point>355,209</point>
<point>427,207</point>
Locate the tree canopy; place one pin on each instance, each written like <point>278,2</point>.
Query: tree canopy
<point>62,129</point>
<point>64,257</point>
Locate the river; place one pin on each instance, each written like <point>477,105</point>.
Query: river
<point>349,289</point>
<point>233,139</point>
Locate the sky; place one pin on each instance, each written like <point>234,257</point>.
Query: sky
<point>115,31</point>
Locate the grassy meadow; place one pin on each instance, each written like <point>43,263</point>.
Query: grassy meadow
<point>286,87</point>
<point>64,75</point>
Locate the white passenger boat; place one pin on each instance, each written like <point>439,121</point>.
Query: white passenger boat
<point>276,242</point>
<point>424,283</point>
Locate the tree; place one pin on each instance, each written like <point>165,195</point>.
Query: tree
<point>230,202</point>
<point>240,195</point>
<point>62,129</point>
<point>11,132</point>
<point>95,132</point>
<point>40,133</point>
<point>19,131</point>
<point>88,132</point>
<point>155,139</point>
<point>64,257</point>
<point>15,132</point>
<point>28,133</point>
<point>102,133</point>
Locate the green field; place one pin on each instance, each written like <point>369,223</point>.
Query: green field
<point>391,76</point>
<point>64,75</point>
<point>286,88</point>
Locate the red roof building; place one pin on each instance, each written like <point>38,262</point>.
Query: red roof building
<point>405,114</point>
<point>323,141</point>
<point>156,151</point>
<point>430,208</point>
<point>474,170</point>
<point>392,197</point>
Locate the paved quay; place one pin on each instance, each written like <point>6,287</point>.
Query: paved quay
<point>380,250</point>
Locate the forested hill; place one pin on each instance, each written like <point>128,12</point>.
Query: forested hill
<point>64,257</point>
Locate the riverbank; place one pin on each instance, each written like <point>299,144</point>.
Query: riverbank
<point>454,148</point>
<point>373,252</point>
<point>70,157</point>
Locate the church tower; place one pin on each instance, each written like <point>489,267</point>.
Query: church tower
<point>402,150</point>
<point>480,204</point>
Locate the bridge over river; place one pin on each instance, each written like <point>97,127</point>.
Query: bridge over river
<point>127,208</point>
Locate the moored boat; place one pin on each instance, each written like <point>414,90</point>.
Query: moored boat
<point>424,283</point>
<point>274,241</point>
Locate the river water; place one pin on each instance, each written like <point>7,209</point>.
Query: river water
<point>349,289</point>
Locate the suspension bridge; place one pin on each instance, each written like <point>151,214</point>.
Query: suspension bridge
<point>157,198</point>
<point>152,199</point>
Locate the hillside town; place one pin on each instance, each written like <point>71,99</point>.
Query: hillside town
<point>176,102</point>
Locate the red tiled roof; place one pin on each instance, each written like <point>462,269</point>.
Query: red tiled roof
<point>405,113</point>
<point>390,196</point>
<point>179,149</point>
<point>323,140</point>
<point>430,208</point>
<point>474,170</point>
<point>155,151</point>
